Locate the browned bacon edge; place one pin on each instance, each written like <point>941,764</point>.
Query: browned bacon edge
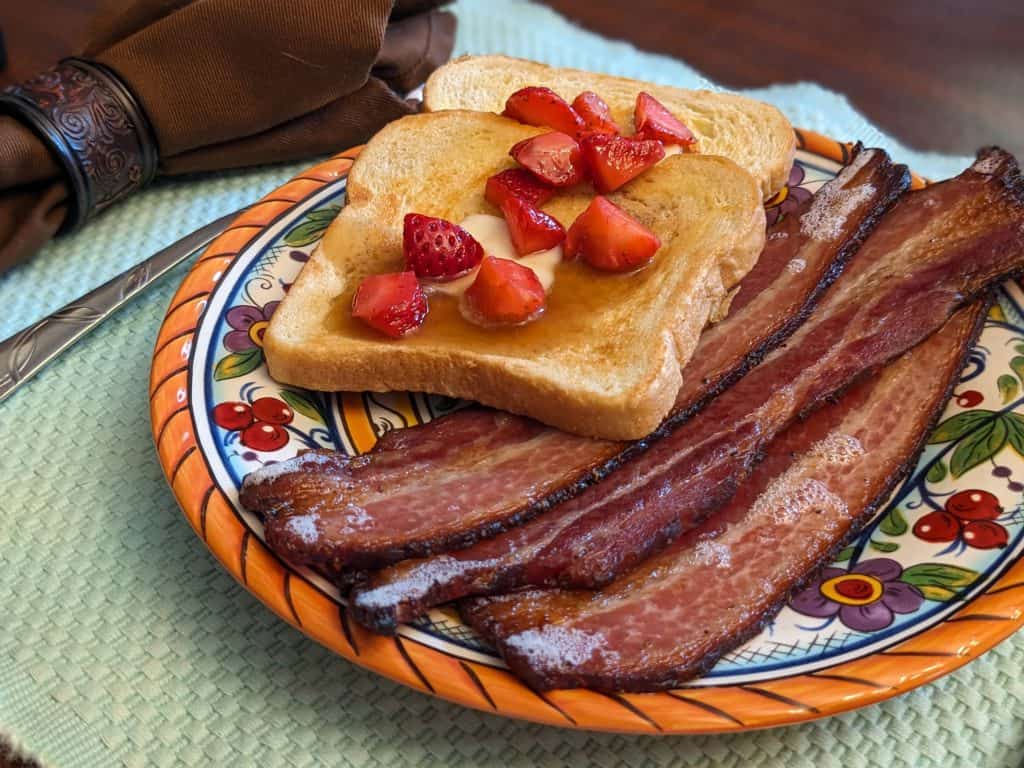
<point>943,247</point>
<point>771,303</point>
<point>497,619</point>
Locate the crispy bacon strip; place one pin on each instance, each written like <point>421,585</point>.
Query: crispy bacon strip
<point>937,249</point>
<point>675,615</point>
<point>475,473</point>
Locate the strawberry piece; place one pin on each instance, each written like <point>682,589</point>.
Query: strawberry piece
<point>544,107</point>
<point>437,249</point>
<point>393,304</point>
<point>654,121</point>
<point>614,160</point>
<point>531,229</point>
<point>517,182</point>
<point>554,158</point>
<point>595,113</point>
<point>505,291</point>
<point>608,238</point>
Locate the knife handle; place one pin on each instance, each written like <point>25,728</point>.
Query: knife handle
<point>28,351</point>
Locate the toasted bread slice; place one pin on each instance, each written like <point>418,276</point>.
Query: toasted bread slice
<point>756,136</point>
<point>603,360</point>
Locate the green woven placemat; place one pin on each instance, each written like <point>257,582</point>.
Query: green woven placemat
<point>123,643</point>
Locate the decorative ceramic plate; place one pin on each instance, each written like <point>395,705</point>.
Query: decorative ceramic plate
<point>953,532</point>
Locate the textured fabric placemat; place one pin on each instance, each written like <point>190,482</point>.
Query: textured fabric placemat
<point>122,642</point>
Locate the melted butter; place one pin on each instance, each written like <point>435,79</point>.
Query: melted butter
<point>671,149</point>
<point>492,233</point>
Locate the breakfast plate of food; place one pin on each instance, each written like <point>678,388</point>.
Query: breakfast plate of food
<point>613,405</point>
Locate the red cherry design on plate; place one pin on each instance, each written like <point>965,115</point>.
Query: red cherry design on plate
<point>984,534</point>
<point>969,398</point>
<point>272,410</point>
<point>232,415</point>
<point>974,505</point>
<point>937,527</point>
<point>261,436</point>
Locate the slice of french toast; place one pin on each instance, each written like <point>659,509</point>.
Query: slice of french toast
<point>605,357</point>
<point>755,135</point>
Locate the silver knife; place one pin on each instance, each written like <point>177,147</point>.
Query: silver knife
<point>26,353</point>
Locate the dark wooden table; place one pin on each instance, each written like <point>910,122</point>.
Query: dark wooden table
<point>946,75</point>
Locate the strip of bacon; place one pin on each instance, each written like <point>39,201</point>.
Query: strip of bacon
<point>475,473</point>
<point>671,618</point>
<point>936,249</point>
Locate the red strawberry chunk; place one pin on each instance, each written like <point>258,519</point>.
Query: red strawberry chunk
<point>554,158</point>
<point>542,106</point>
<point>393,304</point>
<point>595,113</point>
<point>517,182</point>
<point>614,160</point>
<point>531,229</point>
<point>654,121</point>
<point>437,249</point>
<point>504,291</point>
<point>608,238</point>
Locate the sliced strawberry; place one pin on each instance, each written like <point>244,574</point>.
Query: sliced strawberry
<point>393,304</point>
<point>437,249</point>
<point>654,121</point>
<point>531,229</point>
<point>554,158</point>
<point>608,238</point>
<point>595,113</point>
<point>504,292</point>
<point>517,182</point>
<point>542,106</point>
<point>614,160</point>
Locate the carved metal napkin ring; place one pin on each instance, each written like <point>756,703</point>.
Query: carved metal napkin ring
<point>95,128</point>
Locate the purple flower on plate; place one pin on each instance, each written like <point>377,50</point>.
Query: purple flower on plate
<point>790,198</point>
<point>248,324</point>
<point>865,597</point>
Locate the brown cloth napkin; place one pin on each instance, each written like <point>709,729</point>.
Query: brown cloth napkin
<point>230,83</point>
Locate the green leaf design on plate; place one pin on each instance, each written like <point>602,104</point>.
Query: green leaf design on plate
<point>312,227</point>
<point>883,546</point>
<point>979,446</point>
<point>957,426</point>
<point>939,594</point>
<point>937,472</point>
<point>1017,366</point>
<point>238,364</point>
<point>938,575</point>
<point>327,213</point>
<point>306,233</point>
<point>894,524</point>
<point>301,403</point>
<point>1008,387</point>
<point>843,556</point>
<point>1019,348</point>
<point>1015,431</point>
